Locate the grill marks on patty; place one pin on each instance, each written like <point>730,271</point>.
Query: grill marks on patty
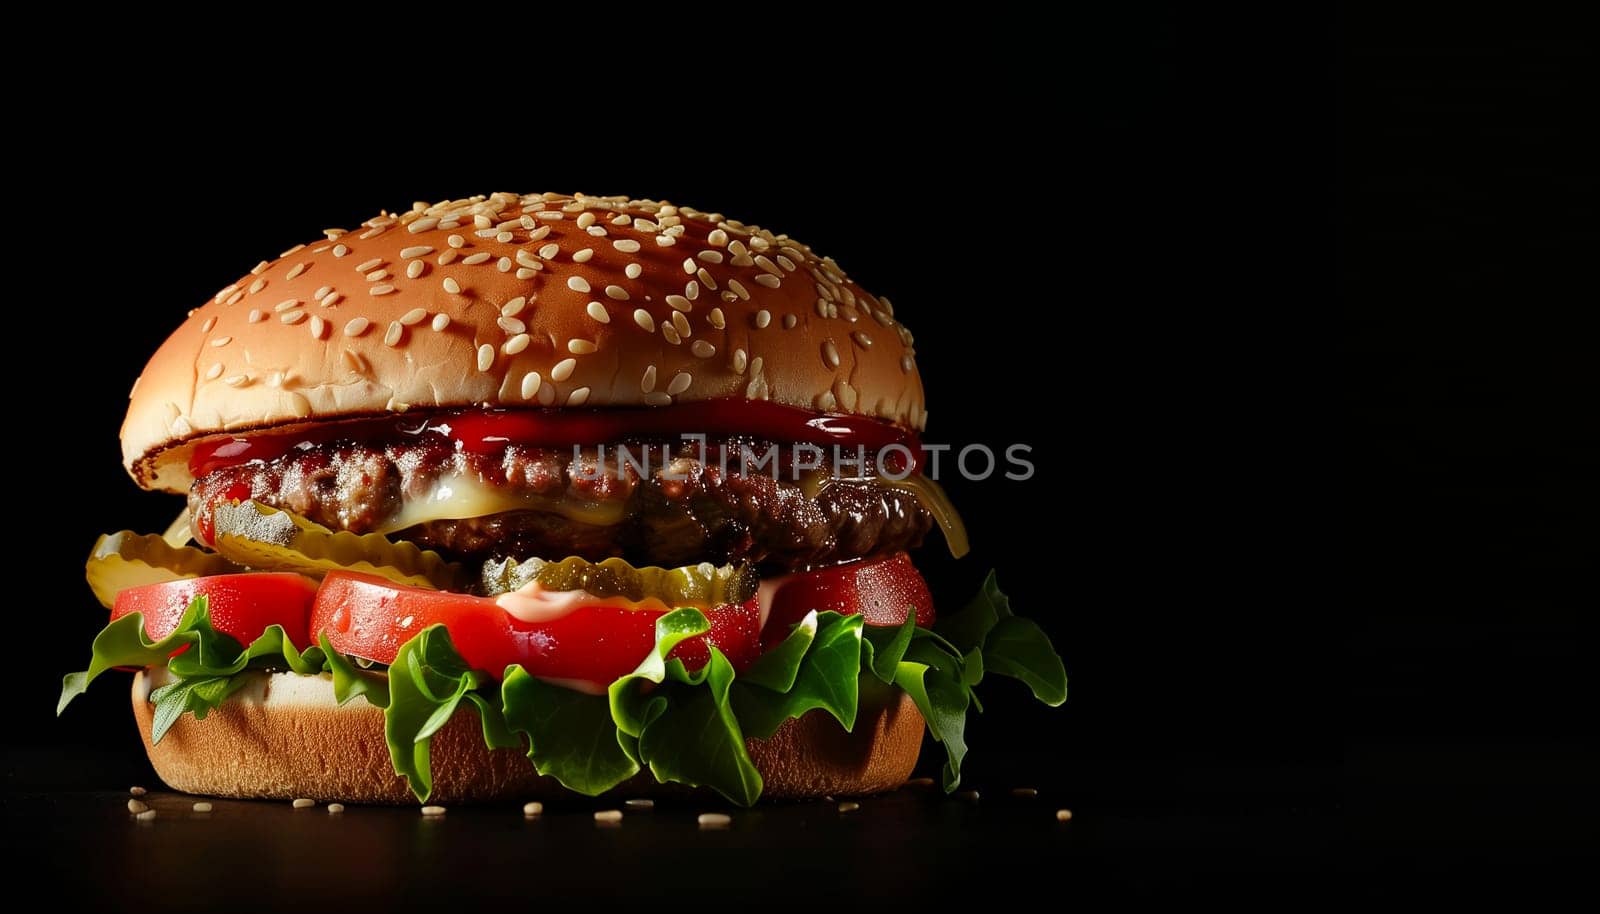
<point>707,516</point>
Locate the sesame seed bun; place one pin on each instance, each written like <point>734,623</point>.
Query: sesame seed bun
<point>283,736</point>
<point>531,301</point>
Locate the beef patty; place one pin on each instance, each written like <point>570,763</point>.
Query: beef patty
<point>586,506</point>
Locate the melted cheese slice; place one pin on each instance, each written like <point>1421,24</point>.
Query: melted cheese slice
<point>457,497</point>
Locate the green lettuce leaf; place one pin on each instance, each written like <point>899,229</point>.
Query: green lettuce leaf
<point>571,736</point>
<point>204,675</point>
<point>688,726</point>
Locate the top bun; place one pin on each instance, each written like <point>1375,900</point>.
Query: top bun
<point>534,301</point>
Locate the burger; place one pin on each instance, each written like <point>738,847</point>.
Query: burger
<point>517,494</point>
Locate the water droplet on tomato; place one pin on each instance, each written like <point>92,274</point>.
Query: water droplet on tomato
<point>341,619</point>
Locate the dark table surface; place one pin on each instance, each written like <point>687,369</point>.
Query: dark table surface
<point>1137,829</point>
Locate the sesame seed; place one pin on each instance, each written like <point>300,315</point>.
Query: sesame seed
<point>238,380</point>
<point>381,288</point>
<point>906,363</point>
<point>340,250</point>
<point>414,316</point>
<point>763,318</point>
<point>657,398</point>
<point>1063,815</point>
<point>830,353</point>
<point>714,820</point>
<point>440,321</point>
<point>920,782</point>
<point>639,804</point>
<point>665,241</point>
<point>391,337</point>
<point>451,286</point>
<point>530,385</point>
<point>599,312</point>
<point>528,260</point>
<point>303,803</point>
<point>511,324</point>
<point>257,316</point>
<point>137,806</point>
<point>296,270</point>
<point>710,256</point>
<point>968,795</point>
<point>586,220</point>
<point>849,806</point>
<point>626,245</point>
<point>716,319</point>
<point>691,289</point>
<point>679,303</point>
<point>702,349</point>
<point>448,257</point>
<point>786,263</point>
<point>539,234</point>
<point>680,382</point>
<point>475,259</point>
<point>455,241</point>
<point>580,347</point>
<point>1025,792</point>
<point>583,255</point>
<point>415,268</point>
<point>608,816</point>
<point>681,323</point>
<point>577,284</point>
<point>671,334</point>
<point>504,237</point>
<point>562,370</point>
<point>706,279</point>
<point>221,341</point>
<point>317,326</point>
<point>432,812</point>
<point>517,343</point>
<point>234,298</point>
<point>862,340</point>
<point>485,357</point>
<point>373,232</point>
<point>621,219</point>
<point>376,275</point>
<point>534,808</point>
<point>482,221</point>
<point>330,299</point>
<point>416,250</point>
<point>322,292</point>
<point>644,320</point>
<point>293,317</point>
<point>146,816</point>
<point>503,264</point>
<point>210,322</point>
<point>689,265</point>
<point>740,359</point>
<point>549,251</point>
<point>257,286</point>
<point>357,326</point>
<point>298,247</point>
<point>335,809</point>
<point>514,307</point>
<point>633,271</point>
<point>647,383</point>
<point>367,265</point>
<point>424,224</point>
<point>286,304</point>
<point>789,320</point>
<point>646,226</point>
<point>717,237</point>
<point>768,280</point>
<point>738,289</point>
<point>578,397</point>
<point>527,273</point>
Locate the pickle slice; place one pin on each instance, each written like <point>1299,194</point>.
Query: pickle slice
<point>127,559</point>
<point>271,539</point>
<point>702,585</point>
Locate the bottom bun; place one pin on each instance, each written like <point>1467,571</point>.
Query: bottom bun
<point>283,736</point>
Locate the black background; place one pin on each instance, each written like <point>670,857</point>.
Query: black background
<point>1298,322</point>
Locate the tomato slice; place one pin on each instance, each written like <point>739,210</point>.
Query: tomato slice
<point>240,605</point>
<point>370,617</point>
<point>882,590</point>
